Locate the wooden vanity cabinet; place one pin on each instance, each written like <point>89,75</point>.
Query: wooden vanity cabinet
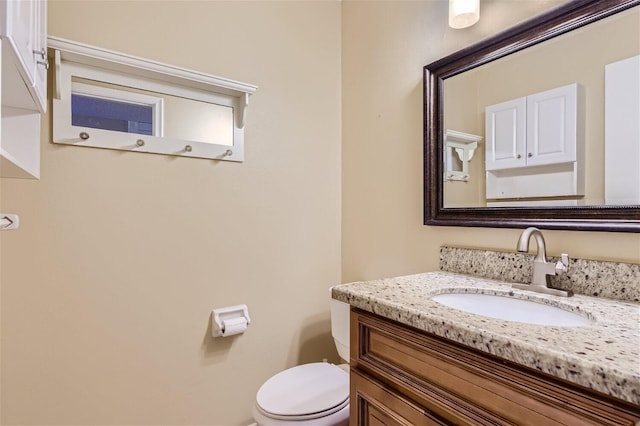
<point>403,376</point>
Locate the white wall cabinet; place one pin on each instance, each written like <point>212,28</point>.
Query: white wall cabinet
<point>534,146</point>
<point>535,130</point>
<point>24,53</point>
<point>24,64</point>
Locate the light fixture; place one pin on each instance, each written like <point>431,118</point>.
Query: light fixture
<point>463,13</point>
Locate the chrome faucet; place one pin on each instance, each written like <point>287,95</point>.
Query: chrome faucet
<point>541,268</point>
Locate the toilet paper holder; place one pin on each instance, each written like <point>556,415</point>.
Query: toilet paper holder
<point>229,321</point>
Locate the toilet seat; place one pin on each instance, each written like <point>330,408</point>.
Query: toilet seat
<point>305,392</point>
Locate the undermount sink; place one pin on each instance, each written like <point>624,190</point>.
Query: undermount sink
<point>511,309</point>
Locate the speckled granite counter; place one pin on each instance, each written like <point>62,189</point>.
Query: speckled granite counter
<point>604,356</point>
<point>611,280</point>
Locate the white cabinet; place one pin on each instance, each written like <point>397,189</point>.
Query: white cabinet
<point>23,27</point>
<point>536,130</point>
<point>23,90</point>
<point>534,146</point>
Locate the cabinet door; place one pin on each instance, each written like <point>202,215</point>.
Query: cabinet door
<point>505,128</point>
<point>17,27</point>
<point>551,126</point>
<point>24,30</point>
<point>374,405</point>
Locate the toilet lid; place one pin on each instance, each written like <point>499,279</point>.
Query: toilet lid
<point>304,390</point>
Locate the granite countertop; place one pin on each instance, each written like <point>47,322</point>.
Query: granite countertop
<point>604,356</point>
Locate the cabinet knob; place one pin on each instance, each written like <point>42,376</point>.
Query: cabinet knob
<point>529,155</point>
<point>43,55</point>
<point>41,52</point>
<point>518,156</point>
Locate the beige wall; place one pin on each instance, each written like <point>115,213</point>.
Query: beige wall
<point>106,300</point>
<point>108,285</point>
<point>385,46</point>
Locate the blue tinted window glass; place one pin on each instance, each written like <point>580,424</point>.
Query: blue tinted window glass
<point>98,113</point>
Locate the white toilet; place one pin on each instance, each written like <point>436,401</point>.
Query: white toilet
<point>311,394</point>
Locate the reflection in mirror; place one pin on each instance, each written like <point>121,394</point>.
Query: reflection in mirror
<point>581,57</point>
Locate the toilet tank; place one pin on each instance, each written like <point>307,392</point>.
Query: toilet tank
<point>340,327</point>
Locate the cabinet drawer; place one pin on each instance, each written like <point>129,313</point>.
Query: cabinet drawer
<point>466,386</point>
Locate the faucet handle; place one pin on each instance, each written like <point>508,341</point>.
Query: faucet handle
<point>562,264</point>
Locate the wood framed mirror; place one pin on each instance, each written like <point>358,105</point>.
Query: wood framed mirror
<point>582,207</point>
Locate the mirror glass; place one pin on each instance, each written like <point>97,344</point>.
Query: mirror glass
<point>579,56</point>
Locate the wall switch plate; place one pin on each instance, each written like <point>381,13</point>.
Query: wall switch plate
<point>9,221</point>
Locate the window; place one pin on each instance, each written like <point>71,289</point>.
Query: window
<point>117,110</point>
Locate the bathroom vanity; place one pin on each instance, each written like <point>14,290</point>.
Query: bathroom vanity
<point>416,361</point>
<point>402,376</point>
